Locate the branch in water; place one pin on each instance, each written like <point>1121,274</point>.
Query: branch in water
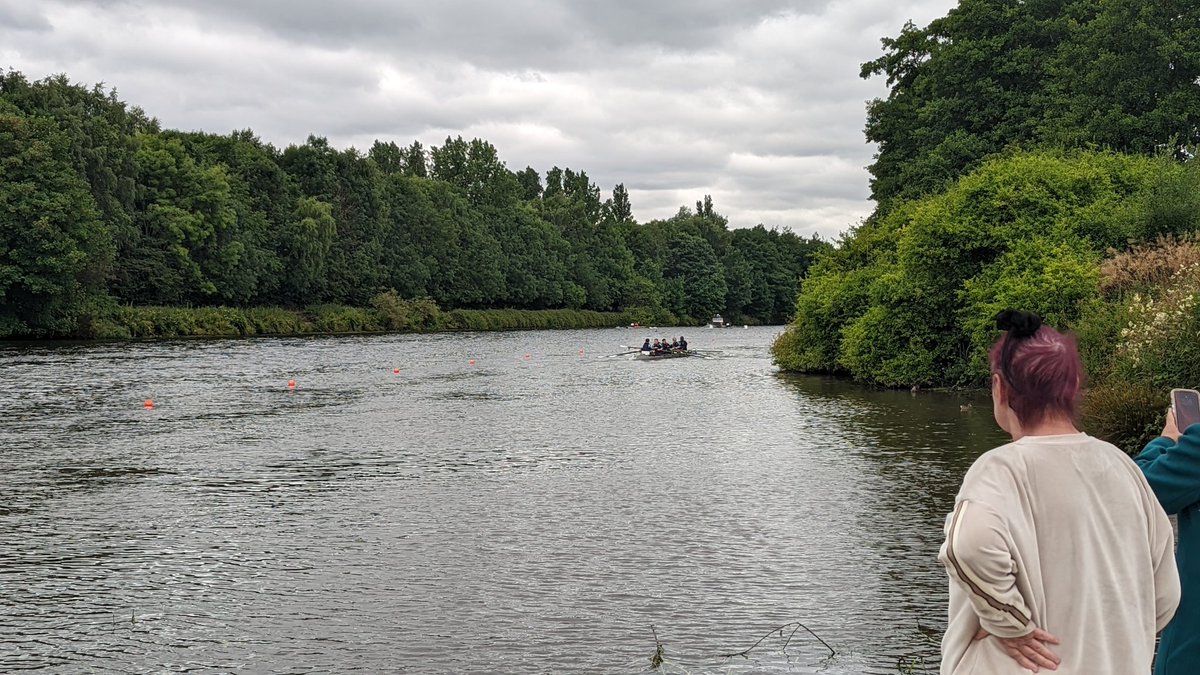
<point>659,651</point>
<point>797,626</point>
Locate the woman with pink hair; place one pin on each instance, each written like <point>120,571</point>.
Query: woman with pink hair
<point>1059,555</point>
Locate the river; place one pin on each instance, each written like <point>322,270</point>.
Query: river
<point>507,502</point>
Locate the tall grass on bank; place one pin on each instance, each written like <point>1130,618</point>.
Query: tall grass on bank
<point>526,319</point>
<point>1142,339</point>
<point>387,313</point>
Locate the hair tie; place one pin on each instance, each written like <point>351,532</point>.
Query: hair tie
<point>1019,324</point>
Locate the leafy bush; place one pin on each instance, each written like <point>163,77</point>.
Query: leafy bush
<point>1159,345</point>
<point>1141,344</point>
<point>909,298</point>
<point>788,351</point>
<point>393,311</point>
<point>341,319</point>
<point>1051,278</point>
<point>652,316</point>
<point>881,347</point>
<point>1128,415</point>
<point>1098,331</point>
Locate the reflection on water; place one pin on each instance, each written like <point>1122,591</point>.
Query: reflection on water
<point>513,515</point>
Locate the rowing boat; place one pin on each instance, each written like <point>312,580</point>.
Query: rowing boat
<point>650,356</point>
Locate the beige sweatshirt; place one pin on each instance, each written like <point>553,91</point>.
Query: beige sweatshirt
<point>1061,533</point>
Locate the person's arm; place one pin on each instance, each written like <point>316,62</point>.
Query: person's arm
<point>1173,469</point>
<point>1166,574</point>
<point>1153,449</point>
<point>976,555</point>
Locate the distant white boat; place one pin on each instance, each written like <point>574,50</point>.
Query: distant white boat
<point>717,322</point>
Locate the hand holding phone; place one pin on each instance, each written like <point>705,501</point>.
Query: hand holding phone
<point>1185,403</point>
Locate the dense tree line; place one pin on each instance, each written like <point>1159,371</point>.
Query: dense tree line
<point>1112,74</point>
<point>101,207</point>
<point>1033,154</point>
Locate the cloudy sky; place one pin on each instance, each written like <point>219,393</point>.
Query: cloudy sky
<point>756,102</point>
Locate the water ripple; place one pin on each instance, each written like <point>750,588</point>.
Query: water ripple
<point>517,514</point>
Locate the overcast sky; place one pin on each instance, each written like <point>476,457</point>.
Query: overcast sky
<point>756,102</point>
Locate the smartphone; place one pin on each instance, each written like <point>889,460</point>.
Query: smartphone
<point>1186,403</point>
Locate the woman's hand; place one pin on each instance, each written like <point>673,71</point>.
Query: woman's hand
<point>1169,429</point>
<point>1031,651</point>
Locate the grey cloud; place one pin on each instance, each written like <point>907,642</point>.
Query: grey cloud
<point>21,15</point>
<point>532,33</point>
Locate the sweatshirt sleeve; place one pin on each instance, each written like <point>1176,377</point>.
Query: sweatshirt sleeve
<point>1166,574</point>
<point>978,558</point>
<point>1173,470</point>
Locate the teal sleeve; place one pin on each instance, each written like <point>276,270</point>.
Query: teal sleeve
<point>1173,469</point>
<point>1153,449</point>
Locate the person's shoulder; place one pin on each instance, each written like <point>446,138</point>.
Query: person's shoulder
<point>999,455</point>
<point>1002,459</point>
<point>993,477</point>
<point>1102,445</point>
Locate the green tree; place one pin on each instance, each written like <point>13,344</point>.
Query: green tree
<point>694,268</point>
<point>54,251</point>
<point>1126,76</point>
<point>388,157</point>
<point>531,184</point>
<point>416,163</point>
<point>353,186</point>
<point>264,201</point>
<point>963,87</point>
<point>101,131</point>
<point>619,207</point>
<point>185,214</point>
<point>308,240</point>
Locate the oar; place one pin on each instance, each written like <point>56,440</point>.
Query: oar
<point>631,351</point>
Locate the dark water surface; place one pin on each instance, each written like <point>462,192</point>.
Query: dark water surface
<point>514,516</point>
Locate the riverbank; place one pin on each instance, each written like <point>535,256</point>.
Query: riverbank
<point>388,314</point>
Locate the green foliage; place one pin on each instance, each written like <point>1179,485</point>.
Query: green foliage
<point>54,251</point>
<point>908,297</point>
<point>1098,331</point>
<point>898,340</point>
<point>146,322</point>
<point>309,237</point>
<point>1054,279</point>
<point>104,208</point>
<point>993,75</point>
<point>342,319</point>
<point>388,313</point>
<point>789,352</point>
<point>701,279</point>
<point>519,319</point>
<point>395,314</point>
<point>1128,415</point>
<point>652,316</point>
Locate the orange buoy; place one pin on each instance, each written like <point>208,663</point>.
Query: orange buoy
<point>148,405</point>
<point>291,384</point>
<point>395,371</point>
<point>471,362</point>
